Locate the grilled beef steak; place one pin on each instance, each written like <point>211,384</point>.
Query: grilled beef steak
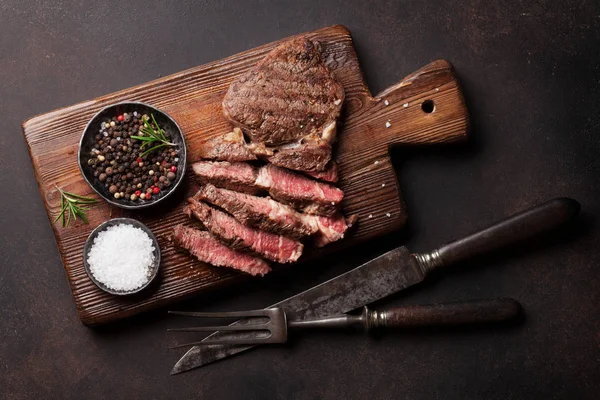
<point>206,248</point>
<point>226,228</point>
<point>259,212</point>
<point>288,105</point>
<point>300,192</point>
<point>269,215</point>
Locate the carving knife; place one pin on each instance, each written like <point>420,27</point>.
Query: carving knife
<point>392,272</point>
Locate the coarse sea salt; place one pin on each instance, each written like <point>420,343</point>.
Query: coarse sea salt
<point>121,257</point>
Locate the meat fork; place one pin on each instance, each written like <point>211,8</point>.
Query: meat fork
<point>275,329</point>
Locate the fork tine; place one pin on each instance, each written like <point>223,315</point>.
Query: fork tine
<point>232,314</point>
<point>224,342</point>
<point>249,327</point>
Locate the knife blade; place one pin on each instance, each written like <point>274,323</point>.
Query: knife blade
<point>390,273</point>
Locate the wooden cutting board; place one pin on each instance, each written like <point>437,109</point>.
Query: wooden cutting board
<point>425,107</point>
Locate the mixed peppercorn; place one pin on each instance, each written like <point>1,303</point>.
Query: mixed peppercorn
<point>122,165</point>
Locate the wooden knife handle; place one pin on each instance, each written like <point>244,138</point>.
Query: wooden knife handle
<point>458,313</point>
<point>517,228</point>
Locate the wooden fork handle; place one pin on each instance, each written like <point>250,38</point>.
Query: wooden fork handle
<point>458,313</point>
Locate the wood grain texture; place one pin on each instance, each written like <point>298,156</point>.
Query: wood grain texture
<point>193,98</point>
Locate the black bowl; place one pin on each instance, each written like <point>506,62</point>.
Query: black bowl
<point>88,142</point>
<point>103,226</point>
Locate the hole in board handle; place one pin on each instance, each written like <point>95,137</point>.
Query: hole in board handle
<point>428,106</point>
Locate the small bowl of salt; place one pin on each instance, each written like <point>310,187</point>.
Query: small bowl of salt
<point>121,256</point>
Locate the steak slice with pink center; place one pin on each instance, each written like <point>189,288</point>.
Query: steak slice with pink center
<point>329,174</point>
<point>258,212</point>
<point>206,248</point>
<point>331,229</point>
<point>238,176</point>
<point>300,192</point>
<point>226,228</point>
<point>269,215</point>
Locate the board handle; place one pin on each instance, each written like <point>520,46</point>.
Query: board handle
<point>426,107</point>
<point>515,229</point>
<point>456,313</point>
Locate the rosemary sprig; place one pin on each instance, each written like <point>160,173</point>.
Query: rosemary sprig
<point>153,134</point>
<point>72,205</point>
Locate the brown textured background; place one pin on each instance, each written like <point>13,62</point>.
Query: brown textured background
<point>531,75</point>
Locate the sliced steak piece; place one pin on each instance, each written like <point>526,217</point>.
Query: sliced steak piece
<point>237,176</point>
<point>309,155</point>
<point>206,248</point>
<point>226,228</point>
<point>329,174</point>
<point>331,229</point>
<point>259,212</point>
<point>229,147</point>
<point>269,215</point>
<point>290,96</point>
<point>232,147</point>
<point>300,192</point>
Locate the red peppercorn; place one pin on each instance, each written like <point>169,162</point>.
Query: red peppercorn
<point>148,196</point>
<point>173,168</point>
<point>139,159</point>
<point>137,193</point>
<point>120,117</point>
<point>156,190</point>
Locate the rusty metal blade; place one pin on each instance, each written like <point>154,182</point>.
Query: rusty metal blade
<point>378,278</point>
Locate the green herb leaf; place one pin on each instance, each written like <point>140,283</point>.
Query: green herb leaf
<point>72,205</point>
<point>154,135</point>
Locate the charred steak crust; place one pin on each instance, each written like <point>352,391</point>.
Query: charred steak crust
<point>290,98</point>
<point>206,248</point>
<point>274,247</point>
<point>288,95</point>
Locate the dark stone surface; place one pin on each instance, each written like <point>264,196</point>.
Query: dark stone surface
<point>531,74</point>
